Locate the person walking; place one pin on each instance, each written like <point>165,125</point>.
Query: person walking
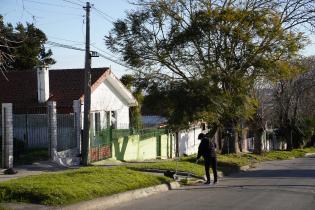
<point>206,149</point>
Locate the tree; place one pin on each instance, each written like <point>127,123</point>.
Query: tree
<point>26,45</point>
<point>294,100</point>
<point>6,54</point>
<point>135,112</point>
<point>264,115</point>
<point>210,48</point>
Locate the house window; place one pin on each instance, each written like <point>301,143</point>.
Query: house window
<point>111,119</point>
<point>107,114</point>
<point>97,122</point>
<point>114,119</point>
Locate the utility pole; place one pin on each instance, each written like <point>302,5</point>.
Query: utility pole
<point>87,90</point>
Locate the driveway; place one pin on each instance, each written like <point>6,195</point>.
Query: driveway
<point>288,184</point>
<point>33,169</point>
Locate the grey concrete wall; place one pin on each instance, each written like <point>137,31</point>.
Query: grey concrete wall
<point>52,129</point>
<point>7,135</point>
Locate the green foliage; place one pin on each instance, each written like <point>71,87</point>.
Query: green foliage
<point>203,61</point>
<point>183,103</point>
<point>136,120</point>
<point>75,185</point>
<point>309,149</point>
<point>4,208</point>
<point>309,127</point>
<point>293,102</point>
<point>135,112</point>
<point>26,44</point>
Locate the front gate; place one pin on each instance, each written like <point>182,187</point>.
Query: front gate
<point>100,145</point>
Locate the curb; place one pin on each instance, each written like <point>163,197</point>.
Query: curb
<point>245,168</point>
<point>109,201</point>
<point>310,154</point>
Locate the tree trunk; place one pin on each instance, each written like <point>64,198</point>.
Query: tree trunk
<point>236,147</point>
<point>235,138</point>
<point>258,142</point>
<point>289,137</point>
<point>244,147</point>
<point>220,139</point>
<point>176,144</point>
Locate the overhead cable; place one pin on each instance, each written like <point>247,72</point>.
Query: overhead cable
<point>56,44</point>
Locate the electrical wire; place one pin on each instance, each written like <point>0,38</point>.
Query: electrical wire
<point>56,12</point>
<point>117,62</point>
<point>103,15</point>
<point>68,40</point>
<point>81,1</point>
<point>71,2</point>
<point>56,44</point>
<point>103,51</point>
<point>34,17</point>
<point>50,4</point>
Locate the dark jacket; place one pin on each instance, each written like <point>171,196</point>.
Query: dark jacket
<point>206,149</point>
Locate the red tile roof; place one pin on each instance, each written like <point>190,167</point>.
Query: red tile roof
<point>66,85</point>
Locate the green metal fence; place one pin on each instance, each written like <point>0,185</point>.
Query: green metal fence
<point>118,133</point>
<point>149,133</point>
<point>100,145</point>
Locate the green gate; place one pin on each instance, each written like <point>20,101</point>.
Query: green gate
<point>100,145</point>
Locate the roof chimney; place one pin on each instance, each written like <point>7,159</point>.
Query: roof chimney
<point>42,84</point>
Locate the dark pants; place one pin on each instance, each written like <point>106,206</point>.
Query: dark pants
<point>212,161</point>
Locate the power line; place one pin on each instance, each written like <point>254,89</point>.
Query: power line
<point>56,44</point>
<point>71,2</point>
<point>101,12</point>
<point>117,62</point>
<point>28,12</point>
<point>102,50</point>
<point>68,40</point>
<point>81,1</point>
<point>56,12</point>
<point>50,4</point>
<point>57,21</point>
<point>104,15</point>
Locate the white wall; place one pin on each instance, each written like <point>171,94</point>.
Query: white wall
<point>106,98</point>
<point>188,141</point>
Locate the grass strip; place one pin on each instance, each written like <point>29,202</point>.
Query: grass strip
<point>75,185</point>
<point>3,208</point>
<point>171,165</point>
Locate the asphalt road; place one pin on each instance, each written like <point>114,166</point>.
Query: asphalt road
<point>288,184</point>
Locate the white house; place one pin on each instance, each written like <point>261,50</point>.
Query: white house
<point>29,91</point>
<point>110,102</point>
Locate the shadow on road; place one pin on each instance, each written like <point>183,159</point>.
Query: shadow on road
<point>300,173</point>
<point>207,187</point>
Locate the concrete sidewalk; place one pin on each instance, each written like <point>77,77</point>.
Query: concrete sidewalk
<point>34,169</point>
<point>49,167</point>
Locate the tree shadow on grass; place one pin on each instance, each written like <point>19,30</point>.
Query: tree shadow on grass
<point>228,168</point>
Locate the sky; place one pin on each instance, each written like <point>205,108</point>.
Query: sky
<point>63,21</point>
